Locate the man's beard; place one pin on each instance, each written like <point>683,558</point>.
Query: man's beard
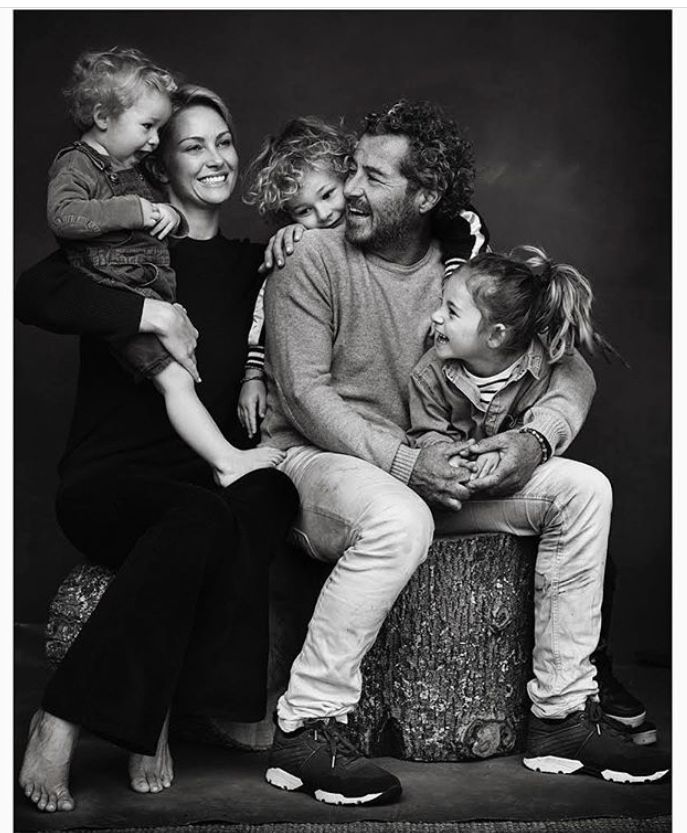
<point>389,231</point>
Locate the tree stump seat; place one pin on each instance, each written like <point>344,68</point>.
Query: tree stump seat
<point>446,677</point>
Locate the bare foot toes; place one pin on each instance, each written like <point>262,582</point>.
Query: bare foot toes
<point>153,773</point>
<point>44,774</point>
<point>65,802</point>
<point>139,784</point>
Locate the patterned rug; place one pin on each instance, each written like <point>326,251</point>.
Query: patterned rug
<point>656,824</point>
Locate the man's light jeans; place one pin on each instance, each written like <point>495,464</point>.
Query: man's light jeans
<point>378,532</point>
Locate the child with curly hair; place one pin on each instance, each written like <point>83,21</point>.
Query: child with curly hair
<point>112,223</point>
<point>297,183</point>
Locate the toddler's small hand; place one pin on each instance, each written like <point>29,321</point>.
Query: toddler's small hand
<point>151,212</point>
<point>167,220</point>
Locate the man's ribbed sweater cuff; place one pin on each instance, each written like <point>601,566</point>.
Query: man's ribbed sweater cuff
<point>404,463</point>
<point>554,430</point>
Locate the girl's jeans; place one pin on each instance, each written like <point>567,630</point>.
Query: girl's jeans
<point>378,531</point>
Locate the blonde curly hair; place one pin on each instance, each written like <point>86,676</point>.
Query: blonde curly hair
<point>114,79</point>
<point>276,173</point>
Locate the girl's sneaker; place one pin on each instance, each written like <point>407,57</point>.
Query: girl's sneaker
<point>588,742</point>
<point>616,701</point>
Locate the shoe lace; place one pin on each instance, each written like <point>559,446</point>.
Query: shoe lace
<point>333,732</point>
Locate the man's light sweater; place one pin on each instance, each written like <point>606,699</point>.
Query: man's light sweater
<point>344,330</point>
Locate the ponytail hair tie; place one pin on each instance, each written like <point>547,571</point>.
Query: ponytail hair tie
<point>545,272</point>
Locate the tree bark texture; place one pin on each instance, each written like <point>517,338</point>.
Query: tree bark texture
<point>75,600</point>
<point>446,678</point>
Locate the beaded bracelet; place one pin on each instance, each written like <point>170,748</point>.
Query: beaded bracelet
<point>543,445</point>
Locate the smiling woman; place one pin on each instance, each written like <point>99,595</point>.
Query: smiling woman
<point>185,618</point>
<point>199,155</point>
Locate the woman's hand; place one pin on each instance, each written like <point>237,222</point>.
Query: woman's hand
<point>252,404</point>
<point>171,324</point>
<point>280,245</point>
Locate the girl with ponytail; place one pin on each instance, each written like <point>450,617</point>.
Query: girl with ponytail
<point>506,339</point>
<point>504,323</point>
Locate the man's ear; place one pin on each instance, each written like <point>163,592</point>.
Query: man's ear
<point>427,199</point>
<point>496,335</point>
<point>101,118</point>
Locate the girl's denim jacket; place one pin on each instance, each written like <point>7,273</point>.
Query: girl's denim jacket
<point>554,399</point>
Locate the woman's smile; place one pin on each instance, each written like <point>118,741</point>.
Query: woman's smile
<point>201,160</point>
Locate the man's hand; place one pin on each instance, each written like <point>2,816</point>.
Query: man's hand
<point>171,324</point>
<point>520,455</point>
<point>439,474</point>
<point>280,245</point>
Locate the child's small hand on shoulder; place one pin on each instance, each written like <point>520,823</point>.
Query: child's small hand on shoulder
<point>280,245</point>
<point>159,218</point>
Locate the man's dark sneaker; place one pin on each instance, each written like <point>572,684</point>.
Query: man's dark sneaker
<point>616,700</point>
<point>320,760</point>
<point>587,741</point>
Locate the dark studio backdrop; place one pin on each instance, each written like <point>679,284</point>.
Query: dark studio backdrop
<point>569,113</point>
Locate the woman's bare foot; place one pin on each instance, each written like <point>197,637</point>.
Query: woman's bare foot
<point>153,773</point>
<point>242,462</point>
<point>44,775</point>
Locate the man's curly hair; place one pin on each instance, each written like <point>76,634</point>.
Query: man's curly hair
<point>440,157</point>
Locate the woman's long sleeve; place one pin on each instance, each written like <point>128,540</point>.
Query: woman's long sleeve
<point>56,297</point>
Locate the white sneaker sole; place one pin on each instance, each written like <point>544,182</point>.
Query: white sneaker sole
<point>568,766</point>
<point>284,780</point>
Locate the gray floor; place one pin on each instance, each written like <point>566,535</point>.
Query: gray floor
<point>214,784</point>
